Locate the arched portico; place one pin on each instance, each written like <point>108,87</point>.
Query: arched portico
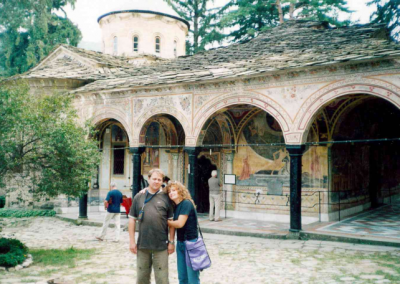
<point>155,137</point>
<point>114,166</point>
<point>359,174</point>
<point>106,113</point>
<point>249,98</point>
<point>311,107</point>
<point>141,122</point>
<point>246,152</point>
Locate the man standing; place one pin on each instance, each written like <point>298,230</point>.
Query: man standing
<point>152,210</point>
<point>215,196</point>
<point>113,204</point>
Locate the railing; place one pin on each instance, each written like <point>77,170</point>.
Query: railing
<point>339,200</point>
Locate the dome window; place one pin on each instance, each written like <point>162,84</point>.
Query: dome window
<point>158,44</point>
<point>175,48</point>
<point>136,43</point>
<point>115,44</point>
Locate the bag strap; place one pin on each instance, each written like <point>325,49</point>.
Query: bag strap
<point>198,225</point>
<point>148,200</point>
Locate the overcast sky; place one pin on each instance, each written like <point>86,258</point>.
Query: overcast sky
<point>87,12</point>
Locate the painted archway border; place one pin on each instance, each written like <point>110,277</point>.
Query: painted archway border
<point>249,98</point>
<point>108,112</point>
<point>314,103</point>
<point>140,122</point>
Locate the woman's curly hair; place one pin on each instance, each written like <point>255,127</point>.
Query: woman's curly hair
<point>182,190</point>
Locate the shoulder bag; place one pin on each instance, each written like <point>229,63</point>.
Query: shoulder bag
<point>196,252</point>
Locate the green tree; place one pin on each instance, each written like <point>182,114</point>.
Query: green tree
<point>249,17</point>
<point>388,12</point>
<point>42,142</point>
<point>29,30</point>
<point>202,19</point>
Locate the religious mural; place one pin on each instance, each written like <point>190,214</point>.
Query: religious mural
<point>118,135</point>
<point>160,130</point>
<point>153,137</point>
<point>269,166</point>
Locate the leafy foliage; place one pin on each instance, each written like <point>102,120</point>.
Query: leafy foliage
<point>23,213</point>
<point>42,142</point>
<point>203,23</point>
<point>29,30</point>
<point>247,18</point>
<point>2,201</point>
<point>388,13</point>
<point>12,252</point>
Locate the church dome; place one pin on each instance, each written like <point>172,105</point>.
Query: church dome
<point>135,33</point>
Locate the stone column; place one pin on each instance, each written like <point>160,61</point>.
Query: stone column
<point>192,172</point>
<point>137,168</point>
<point>83,206</point>
<point>105,165</point>
<point>327,208</point>
<point>175,166</point>
<point>229,187</point>
<point>296,154</point>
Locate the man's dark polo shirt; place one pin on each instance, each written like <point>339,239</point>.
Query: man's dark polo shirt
<point>153,229</point>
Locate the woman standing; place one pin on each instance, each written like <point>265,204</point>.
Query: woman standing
<point>185,221</point>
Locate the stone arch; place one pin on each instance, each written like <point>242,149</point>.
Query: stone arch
<point>262,102</point>
<point>315,102</point>
<point>223,122</point>
<point>143,119</point>
<point>105,113</point>
<point>169,128</point>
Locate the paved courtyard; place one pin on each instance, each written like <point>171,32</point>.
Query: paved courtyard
<point>235,259</point>
<point>382,222</point>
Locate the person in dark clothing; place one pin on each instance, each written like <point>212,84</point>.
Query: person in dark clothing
<point>113,205</point>
<point>185,221</point>
<point>150,210</point>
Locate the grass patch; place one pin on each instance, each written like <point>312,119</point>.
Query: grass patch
<point>296,261</point>
<point>22,213</point>
<point>60,257</point>
<point>48,272</point>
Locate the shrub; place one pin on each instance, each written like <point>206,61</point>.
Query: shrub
<point>21,213</point>
<point>2,201</point>
<point>12,252</point>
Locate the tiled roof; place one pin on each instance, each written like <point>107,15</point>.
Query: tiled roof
<point>77,63</point>
<point>295,44</point>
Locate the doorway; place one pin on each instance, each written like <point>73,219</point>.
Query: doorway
<point>205,167</point>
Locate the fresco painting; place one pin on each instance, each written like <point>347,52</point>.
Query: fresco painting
<point>152,158</point>
<point>270,165</point>
<point>118,135</point>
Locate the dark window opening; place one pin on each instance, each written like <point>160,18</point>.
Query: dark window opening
<point>119,160</point>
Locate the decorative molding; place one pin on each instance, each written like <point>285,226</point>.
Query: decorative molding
<point>349,86</point>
